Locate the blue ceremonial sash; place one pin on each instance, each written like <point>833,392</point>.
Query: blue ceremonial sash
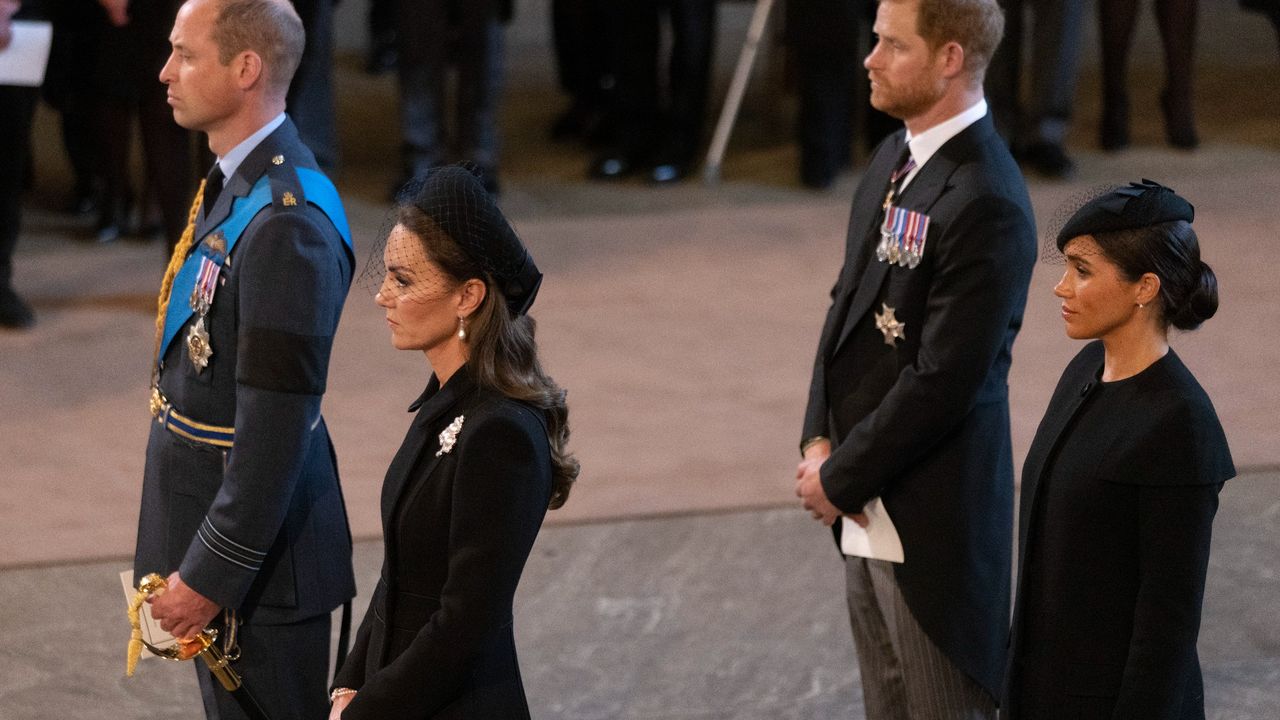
<point>318,190</point>
<point>321,193</point>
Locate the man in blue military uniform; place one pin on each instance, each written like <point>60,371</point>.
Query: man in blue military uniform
<point>241,505</point>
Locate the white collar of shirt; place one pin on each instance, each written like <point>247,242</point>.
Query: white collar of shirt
<point>924,145</point>
<point>236,155</point>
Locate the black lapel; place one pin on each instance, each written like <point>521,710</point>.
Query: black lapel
<point>925,189</point>
<point>434,402</point>
<point>862,234</point>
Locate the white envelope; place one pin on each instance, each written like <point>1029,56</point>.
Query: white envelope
<point>23,63</point>
<point>878,540</point>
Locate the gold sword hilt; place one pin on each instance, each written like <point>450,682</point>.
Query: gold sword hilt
<point>203,645</point>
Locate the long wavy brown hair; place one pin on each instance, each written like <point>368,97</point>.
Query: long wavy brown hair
<point>503,354</point>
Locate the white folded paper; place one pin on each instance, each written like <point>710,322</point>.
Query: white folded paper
<point>151,631</point>
<point>878,540</point>
<point>24,61</point>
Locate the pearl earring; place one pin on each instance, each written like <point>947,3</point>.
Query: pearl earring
<point>462,328</point>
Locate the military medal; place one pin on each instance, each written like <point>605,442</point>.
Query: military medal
<point>892,328</point>
<point>198,345</point>
<point>212,253</point>
<point>891,248</point>
<point>902,237</point>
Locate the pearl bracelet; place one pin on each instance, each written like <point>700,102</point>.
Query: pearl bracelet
<point>339,692</point>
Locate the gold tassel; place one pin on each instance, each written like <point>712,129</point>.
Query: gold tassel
<point>134,650</point>
<point>180,252</point>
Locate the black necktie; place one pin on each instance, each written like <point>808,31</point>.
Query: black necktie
<point>212,186</point>
<point>906,163</point>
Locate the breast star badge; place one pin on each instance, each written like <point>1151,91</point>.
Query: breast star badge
<point>198,347</point>
<point>890,326</point>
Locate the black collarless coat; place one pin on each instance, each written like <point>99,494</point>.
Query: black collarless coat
<point>458,524</point>
<point>1119,491</point>
<point>924,423</point>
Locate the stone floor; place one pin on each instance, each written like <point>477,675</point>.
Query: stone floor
<point>718,616</point>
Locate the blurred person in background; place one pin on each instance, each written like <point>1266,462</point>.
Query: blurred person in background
<point>437,37</point>
<point>1036,128</point>
<point>1176,21</point>
<point>659,121</point>
<point>17,106</point>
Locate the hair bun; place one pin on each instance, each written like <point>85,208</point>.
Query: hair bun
<point>1200,304</point>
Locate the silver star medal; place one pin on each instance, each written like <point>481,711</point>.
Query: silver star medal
<point>889,325</point>
<point>198,347</point>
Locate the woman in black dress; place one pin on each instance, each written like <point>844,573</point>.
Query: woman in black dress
<point>483,460</point>
<point>1121,483</point>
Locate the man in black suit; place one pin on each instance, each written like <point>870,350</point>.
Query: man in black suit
<point>659,125</point>
<point>908,405</point>
<point>17,106</point>
<point>1036,129</point>
<point>241,506</point>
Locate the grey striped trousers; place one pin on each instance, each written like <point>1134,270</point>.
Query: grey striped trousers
<point>904,675</point>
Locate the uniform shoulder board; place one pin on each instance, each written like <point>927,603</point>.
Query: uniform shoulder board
<point>286,189</point>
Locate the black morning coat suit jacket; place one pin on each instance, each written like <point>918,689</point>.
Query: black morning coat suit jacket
<point>1124,557</point>
<point>458,524</point>
<point>924,424</point>
<point>261,527</point>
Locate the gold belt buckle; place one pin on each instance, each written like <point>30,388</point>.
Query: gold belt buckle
<point>159,405</point>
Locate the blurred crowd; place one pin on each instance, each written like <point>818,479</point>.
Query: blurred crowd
<point>636,74</point>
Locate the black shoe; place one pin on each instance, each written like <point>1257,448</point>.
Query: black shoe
<point>1179,122</point>
<point>1048,159</point>
<point>84,200</point>
<point>383,55</point>
<point>670,172</point>
<point>14,313</point>
<point>612,166</point>
<point>113,221</point>
<point>107,232</point>
<point>576,123</point>
<point>1113,131</point>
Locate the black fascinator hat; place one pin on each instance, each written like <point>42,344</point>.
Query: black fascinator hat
<point>455,200</point>
<point>1127,207</point>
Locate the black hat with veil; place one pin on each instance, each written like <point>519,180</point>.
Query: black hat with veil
<point>1119,210</point>
<point>455,203</point>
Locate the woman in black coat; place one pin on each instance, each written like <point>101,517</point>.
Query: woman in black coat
<point>1121,483</point>
<point>483,460</point>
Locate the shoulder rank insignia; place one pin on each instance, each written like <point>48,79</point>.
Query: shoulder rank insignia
<point>288,199</point>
